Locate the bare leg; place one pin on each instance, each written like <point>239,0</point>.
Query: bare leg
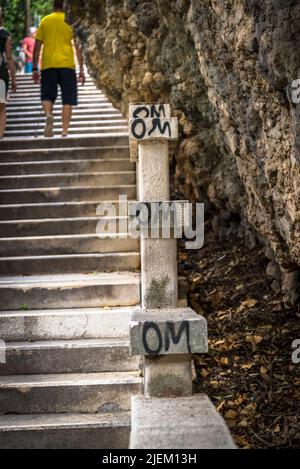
<point>66,118</point>
<point>48,110</point>
<point>2,119</point>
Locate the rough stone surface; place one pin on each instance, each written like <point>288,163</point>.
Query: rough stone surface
<point>226,68</point>
<point>167,331</point>
<point>182,423</point>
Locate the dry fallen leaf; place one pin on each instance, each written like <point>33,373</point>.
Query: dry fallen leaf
<point>249,302</point>
<point>254,340</point>
<point>204,373</point>
<point>221,405</point>
<point>197,279</point>
<point>214,384</point>
<point>247,366</point>
<point>231,414</point>
<point>223,361</point>
<point>243,423</point>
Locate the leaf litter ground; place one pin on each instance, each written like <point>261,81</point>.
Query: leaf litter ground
<point>248,372</point>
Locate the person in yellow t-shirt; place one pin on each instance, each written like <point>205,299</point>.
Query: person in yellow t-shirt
<point>58,66</point>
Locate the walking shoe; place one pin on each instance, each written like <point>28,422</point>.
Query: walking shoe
<point>49,127</point>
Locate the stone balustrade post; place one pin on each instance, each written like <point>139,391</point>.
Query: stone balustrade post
<point>165,335</point>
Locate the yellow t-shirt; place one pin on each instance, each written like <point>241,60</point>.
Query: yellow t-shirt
<point>56,36</point>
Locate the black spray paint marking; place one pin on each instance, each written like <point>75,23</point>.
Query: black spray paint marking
<point>139,134</point>
<point>162,129</point>
<point>170,335</point>
<point>150,111</point>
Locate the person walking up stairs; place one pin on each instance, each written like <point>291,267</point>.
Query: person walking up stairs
<point>58,66</point>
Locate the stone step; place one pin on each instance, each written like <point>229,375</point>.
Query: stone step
<point>32,101</point>
<point>32,88</point>
<point>96,290</point>
<point>75,291</point>
<point>54,210</point>
<point>76,142</point>
<point>54,154</point>
<point>65,324</point>
<point>28,88</point>
<point>60,226</point>
<point>65,194</point>
<point>70,263</point>
<point>184,423</point>
<point>65,166</point>
<point>65,244</point>
<point>27,78</point>
<point>24,86</point>
<point>103,118</point>
<point>65,431</point>
<point>35,96</point>
<point>84,104</point>
<point>36,115</point>
<point>72,130</point>
<point>70,393</point>
<point>68,356</point>
<point>40,124</point>
<point>25,91</point>
<point>91,179</point>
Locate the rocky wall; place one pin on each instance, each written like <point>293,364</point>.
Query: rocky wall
<point>226,67</point>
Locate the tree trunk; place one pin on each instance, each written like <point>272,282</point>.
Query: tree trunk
<point>27,16</point>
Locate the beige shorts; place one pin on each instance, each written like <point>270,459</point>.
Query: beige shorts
<point>3,94</point>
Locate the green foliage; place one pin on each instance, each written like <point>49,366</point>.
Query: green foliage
<point>14,12</point>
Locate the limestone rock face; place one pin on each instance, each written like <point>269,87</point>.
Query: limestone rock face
<point>226,67</point>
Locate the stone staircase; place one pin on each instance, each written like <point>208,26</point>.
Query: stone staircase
<point>65,294</point>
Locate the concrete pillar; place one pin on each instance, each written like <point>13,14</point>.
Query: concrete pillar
<point>152,127</point>
<point>168,376</point>
<point>158,256</point>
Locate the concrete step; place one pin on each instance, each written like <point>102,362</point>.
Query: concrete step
<point>75,153</point>
<point>25,91</point>
<point>66,166</point>
<point>36,115</point>
<point>68,244</point>
<point>35,97</point>
<point>65,431</point>
<point>75,291</point>
<point>73,130</point>
<point>39,124</point>
<point>70,263</point>
<point>27,78</point>
<point>60,226</point>
<point>65,194</point>
<point>168,423</point>
<point>36,101</point>
<point>84,104</point>
<point>24,87</point>
<point>33,88</point>
<point>91,179</point>
<point>69,291</point>
<point>54,210</point>
<point>88,117</point>
<point>68,356</point>
<point>26,83</point>
<point>82,393</point>
<point>70,142</point>
<point>65,324</point>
